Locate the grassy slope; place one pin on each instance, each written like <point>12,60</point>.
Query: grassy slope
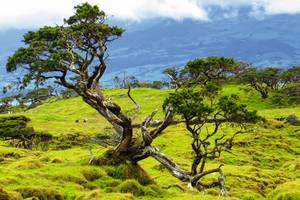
<point>265,163</point>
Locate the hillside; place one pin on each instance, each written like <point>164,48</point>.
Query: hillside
<point>264,164</point>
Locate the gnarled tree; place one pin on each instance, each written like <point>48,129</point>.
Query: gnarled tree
<point>263,80</point>
<point>74,56</point>
<point>204,117</point>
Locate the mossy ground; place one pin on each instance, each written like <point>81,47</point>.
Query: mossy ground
<point>264,164</point>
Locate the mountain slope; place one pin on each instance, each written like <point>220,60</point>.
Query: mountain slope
<point>264,164</point>
<point>149,46</point>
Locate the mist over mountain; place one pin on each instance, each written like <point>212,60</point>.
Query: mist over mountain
<point>147,47</point>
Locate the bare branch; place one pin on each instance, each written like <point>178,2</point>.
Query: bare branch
<point>167,121</point>
<point>145,133</point>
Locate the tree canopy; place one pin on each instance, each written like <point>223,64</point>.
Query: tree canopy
<point>72,54</point>
<point>263,80</point>
<point>204,116</point>
<point>202,71</point>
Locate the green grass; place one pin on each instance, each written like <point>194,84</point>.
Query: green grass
<point>264,164</point>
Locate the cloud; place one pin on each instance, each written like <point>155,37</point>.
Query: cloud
<point>281,6</point>
<point>141,9</point>
<point>34,13</point>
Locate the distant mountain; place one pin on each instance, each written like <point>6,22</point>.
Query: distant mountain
<point>146,48</point>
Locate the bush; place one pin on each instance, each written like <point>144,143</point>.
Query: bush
<point>131,186</point>
<point>92,174</point>
<point>15,128</point>
<point>40,193</point>
<point>129,171</point>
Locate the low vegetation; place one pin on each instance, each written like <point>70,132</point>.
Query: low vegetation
<point>263,164</point>
<point>225,130</point>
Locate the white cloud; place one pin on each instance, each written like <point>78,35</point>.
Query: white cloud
<point>282,6</point>
<point>33,13</point>
<point>141,9</point>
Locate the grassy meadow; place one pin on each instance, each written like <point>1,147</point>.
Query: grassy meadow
<point>264,163</point>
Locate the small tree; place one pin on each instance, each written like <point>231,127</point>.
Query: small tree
<point>211,69</point>
<point>126,81</point>
<point>35,97</point>
<point>6,104</point>
<point>290,94</point>
<point>291,75</point>
<point>204,117</point>
<point>263,80</point>
<point>205,70</point>
<point>175,76</point>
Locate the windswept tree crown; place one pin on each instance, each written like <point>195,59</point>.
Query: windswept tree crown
<point>73,54</point>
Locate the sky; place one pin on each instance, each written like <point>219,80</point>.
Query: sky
<point>35,13</point>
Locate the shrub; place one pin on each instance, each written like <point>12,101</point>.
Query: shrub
<point>131,186</point>
<point>15,128</point>
<point>128,171</point>
<point>40,193</point>
<point>92,174</point>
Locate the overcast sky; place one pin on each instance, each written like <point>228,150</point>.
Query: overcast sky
<point>34,13</point>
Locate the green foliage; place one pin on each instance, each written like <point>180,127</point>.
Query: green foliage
<point>15,127</point>
<point>262,80</point>
<point>92,174</point>
<point>6,104</point>
<point>203,71</point>
<point>211,69</point>
<point>291,75</point>
<point>188,103</point>
<point>62,49</point>
<point>235,112</point>
<point>260,161</point>
<point>287,95</point>
<point>127,171</point>
<point>131,186</point>
<point>205,103</point>
<point>175,75</point>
